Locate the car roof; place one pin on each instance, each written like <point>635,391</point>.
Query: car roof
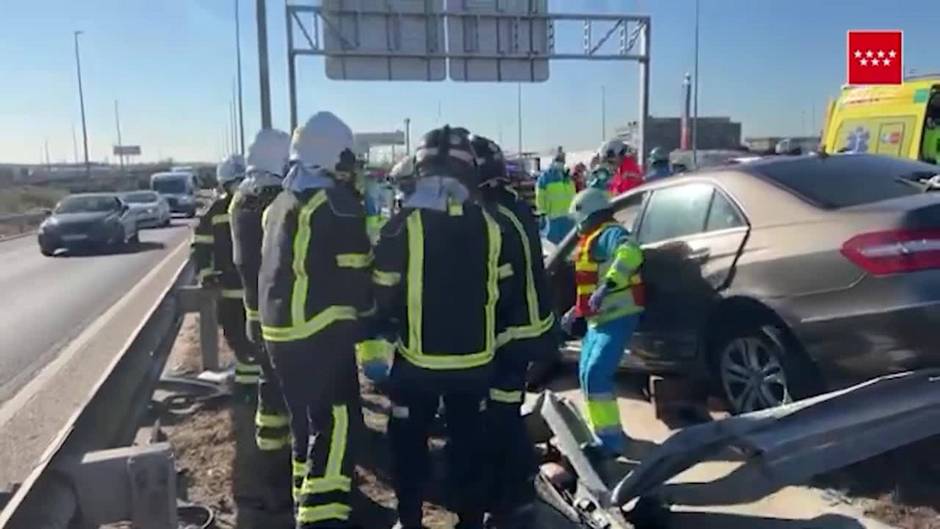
<point>763,203</point>
<point>92,195</point>
<point>172,174</point>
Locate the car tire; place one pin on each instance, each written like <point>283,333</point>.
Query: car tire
<point>46,251</point>
<point>135,237</point>
<point>759,366</point>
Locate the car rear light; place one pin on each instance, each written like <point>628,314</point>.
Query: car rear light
<point>897,251</point>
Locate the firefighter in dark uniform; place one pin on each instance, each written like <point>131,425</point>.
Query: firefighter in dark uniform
<point>529,336</point>
<point>439,272</point>
<point>267,160</point>
<point>212,254</point>
<point>315,281</point>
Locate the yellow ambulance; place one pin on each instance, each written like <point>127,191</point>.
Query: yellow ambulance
<point>898,120</point>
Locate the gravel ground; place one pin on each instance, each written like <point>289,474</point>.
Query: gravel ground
<point>901,488</point>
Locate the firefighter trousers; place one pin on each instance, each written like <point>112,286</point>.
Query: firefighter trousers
<point>512,457</point>
<point>412,415</point>
<point>232,319</point>
<point>321,387</point>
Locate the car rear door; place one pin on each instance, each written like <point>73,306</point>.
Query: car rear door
<point>692,234</point>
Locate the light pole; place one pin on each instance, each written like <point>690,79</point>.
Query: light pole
<point>117,124</point>
<point>519,113</point>
<point>603,113</point>
<point>407,136</point>
<point>262,22</point>
<point>695,95</point>
<point>238,62</point>
<point>81,101</point>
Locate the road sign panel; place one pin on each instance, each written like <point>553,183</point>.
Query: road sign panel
<point>383,40</point>
<point>494,29</point>
<point>127,150</point>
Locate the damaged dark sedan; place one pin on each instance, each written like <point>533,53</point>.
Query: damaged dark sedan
<point>88,221</point>
<point>784,277</point>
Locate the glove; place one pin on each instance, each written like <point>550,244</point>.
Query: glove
<point>376,371</point>
<point>568,319</point>
<point>597,298</point>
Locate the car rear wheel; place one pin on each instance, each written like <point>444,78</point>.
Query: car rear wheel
<point>135,237</point>
<point>48,252</point>
<point>759,369</point>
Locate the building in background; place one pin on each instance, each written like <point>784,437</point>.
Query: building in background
<point>713,133</point>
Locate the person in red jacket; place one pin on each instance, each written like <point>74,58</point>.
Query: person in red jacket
<point>628,176</point>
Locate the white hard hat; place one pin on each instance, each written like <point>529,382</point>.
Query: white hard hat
<point>230,169</point>
<point>611,149</point>
<point>268,153</point>
<point>586,203</point>
<point>320,141</point>
<point>405,168</point>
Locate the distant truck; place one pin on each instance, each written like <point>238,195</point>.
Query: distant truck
<point>179,189</point>
<point>898,120</point>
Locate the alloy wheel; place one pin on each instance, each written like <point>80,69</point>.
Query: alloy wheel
<point>752,375</point>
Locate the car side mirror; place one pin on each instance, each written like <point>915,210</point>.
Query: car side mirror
<point>46,212</point>
<point>125,208</point>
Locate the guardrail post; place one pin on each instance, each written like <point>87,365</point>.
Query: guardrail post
<point>134,483</point>
<point>204,301</point>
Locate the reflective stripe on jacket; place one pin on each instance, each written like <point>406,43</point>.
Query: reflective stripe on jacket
<point>424,261</point>
<point>616,262</point>
<point>532,315</point>
<point>554,192</point>
<point>245,212</point>
<point>316,262</point>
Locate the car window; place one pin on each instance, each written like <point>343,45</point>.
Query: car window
<point>81,204</point>
<point>628,210</point>
<point>140,198</point>
<point>848,180</point>
<point>675,212</point>
<point>722,215</point>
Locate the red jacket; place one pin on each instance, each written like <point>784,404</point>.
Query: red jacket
<point>628,176</point>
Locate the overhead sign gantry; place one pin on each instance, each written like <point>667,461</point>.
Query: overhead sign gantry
<point>464,40</point>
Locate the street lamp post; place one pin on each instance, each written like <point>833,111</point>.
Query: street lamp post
<point>81,101</point>
<point>695,94</point>
<point>407,136</point>
<point>238,61</point>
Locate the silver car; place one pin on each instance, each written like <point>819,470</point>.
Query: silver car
<point>150,209</point>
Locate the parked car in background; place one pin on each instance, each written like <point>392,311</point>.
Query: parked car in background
<point>151,209</point>
<point>91,220</point>
<point>179,190</point>
<point>783,277</point>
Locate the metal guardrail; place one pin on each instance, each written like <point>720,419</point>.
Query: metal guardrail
<point>20,222</point>
<point>82,477</point>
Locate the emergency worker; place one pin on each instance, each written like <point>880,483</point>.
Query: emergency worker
<point>313,284</point>
<point>267,160</point>
<point>609,157</point>
<point>610,296</point>
<point>439,273</point>
<point>554,190</point>
<point>212,255</point>
<point>658,165</point>
<point>527,337</point>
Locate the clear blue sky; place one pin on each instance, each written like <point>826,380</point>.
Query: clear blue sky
<point>766,63</point>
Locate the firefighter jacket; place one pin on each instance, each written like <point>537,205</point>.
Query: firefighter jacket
<point>528,333</point>
<point>245,212</point>
<point>315,265</point>
<point>606,255</point>
<point>212,250</point>
<point>438,278</point>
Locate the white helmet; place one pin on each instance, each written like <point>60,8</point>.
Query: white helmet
<point>586,203</point>
<point>230,169</point>
<point>268,153</point>
<point>611,149</point>
<point>321,142</point>
<point>404,169</point>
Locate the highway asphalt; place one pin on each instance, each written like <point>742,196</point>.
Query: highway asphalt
<point>47,301</point>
